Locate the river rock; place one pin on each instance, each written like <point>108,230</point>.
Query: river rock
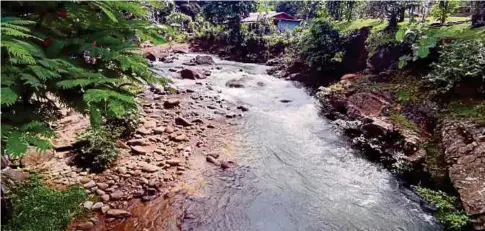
<point>159,130</point>
<point>118,213</point>
<point>212,160</point>
<point>90,184</point>
<point>225,165</point>
<point>116,195</point>
<point>365,104</point>
<point>88,205</point>
<point>102,186</point>
<point>179,138</point>
<point>204,60</point>
<point>191,74</point>
<point>87,225</point>
<point>139,150</point>
<point>136,142</point>
<point>15,175</point>
<point>182,121</point>
<point>143,131</point>
<point>97,206</point>
<point>173,162</point>
<point>104,209</point>
<point>149,124</point>
<point>171,103</point>
<point>169,130</point>
<point>149,168</point>
<point>105,197</point>
<point>237,83</point>
<point>242,108</point>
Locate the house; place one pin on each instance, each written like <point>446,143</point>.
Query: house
<point>282,20</point>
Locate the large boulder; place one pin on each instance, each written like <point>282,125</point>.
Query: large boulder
<point>366,104</point>
<point>464,147</point>
<point>191,74</point>
<point>204,60</point>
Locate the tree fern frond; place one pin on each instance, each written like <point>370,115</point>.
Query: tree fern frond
<point>106,9</point>
<point>100,95</point>
<point>9,96</point>
<point>38,128</point>
<point>71,83</point>
<point>15,143</point>
<point>7,31</point>
<point>43,73</point>
<point>18,52</point>
<point>30,80</point>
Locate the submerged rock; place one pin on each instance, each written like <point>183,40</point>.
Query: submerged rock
<point>191,74</point>
<point>204,60</point>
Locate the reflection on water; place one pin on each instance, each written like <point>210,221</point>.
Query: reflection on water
<point>294,172</point>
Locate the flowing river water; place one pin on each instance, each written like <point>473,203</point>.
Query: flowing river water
<point>294,170</point>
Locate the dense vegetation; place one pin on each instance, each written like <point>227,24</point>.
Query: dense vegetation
<point>81,55</point>
<point>38,207</point>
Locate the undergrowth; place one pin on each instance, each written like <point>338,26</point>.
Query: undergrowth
<point>447,212</point>
<point>37,207</point>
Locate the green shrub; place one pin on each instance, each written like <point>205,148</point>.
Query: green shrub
<point>379,39</point>
<point>319,43</point>
<point>474,111</point>
<point>402,121</point>
<point>446,213</point>
<point>123,127</point>
<point>460,62</point>
<point>40,208</point>
<point>96,149</point>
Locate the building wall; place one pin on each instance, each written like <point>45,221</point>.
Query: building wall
<point>287,25</point>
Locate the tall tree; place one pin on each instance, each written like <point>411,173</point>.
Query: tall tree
<point>229,13</point>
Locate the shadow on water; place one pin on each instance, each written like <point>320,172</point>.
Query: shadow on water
<point>294,171</point>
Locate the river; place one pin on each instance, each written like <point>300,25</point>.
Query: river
<point>294,170</point>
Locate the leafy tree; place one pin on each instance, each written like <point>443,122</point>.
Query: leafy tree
<point>79,54</point>
<point>319,44</point>
<point>229,13</point>
<point>443,9</point>
<point>334,9</point>
<point>300,9</point>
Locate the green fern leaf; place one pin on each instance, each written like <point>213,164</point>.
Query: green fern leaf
<point>43,73</point>
<point>16,144</point>
<point>40,144</point>
<point>9,96</point>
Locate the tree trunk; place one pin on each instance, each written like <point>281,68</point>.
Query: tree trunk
<point>402,12</point>
<point>392,26</point>
<point>478,18</point>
